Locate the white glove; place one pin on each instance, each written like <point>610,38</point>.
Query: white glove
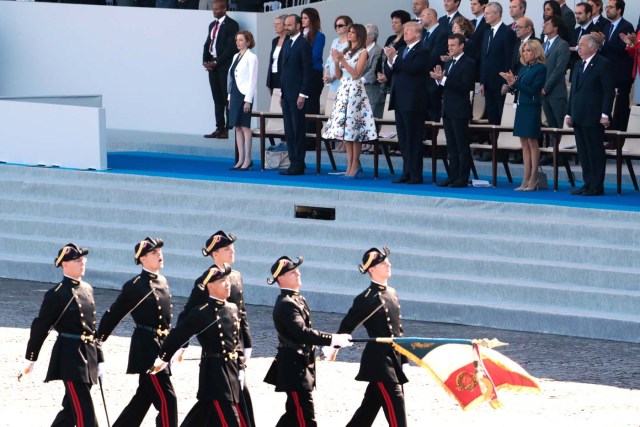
<point>177,356</point>
<point>329,353</point>
<point>247,354</point>
<point>101,371</point>
<point>341,340</point>
<point>158,366</point>
<point>241,378</point>
<point>405,367</point>
<point>26,371</point>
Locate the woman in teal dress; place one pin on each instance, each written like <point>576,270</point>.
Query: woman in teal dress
<point>528,86</point>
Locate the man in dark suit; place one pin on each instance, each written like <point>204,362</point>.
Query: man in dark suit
<point>600,24</point>
<point>614,49</point>
<point>457,80</point>
<point>496,54</point>
<point>418,6</point>
<point>294,369</point>
<point>69,309</point>
<point>480,26</point>
<point>148,299</point>
<point>554,93</point>
<point>434,39</point>
<point>409,68</point>
<point>218,52</point>
<point>295,65</point>
<point>451,12</point>
<point>517,10</point>
<point>585,26</point>
<point>568,17</point>
<point>590,102</point>
<point>377,308</point>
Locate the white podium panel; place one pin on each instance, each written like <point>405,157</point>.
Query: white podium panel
<point>41,133</point>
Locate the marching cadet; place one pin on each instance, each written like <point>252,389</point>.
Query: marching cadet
<point>69,308</point>
<point>220,247</point>
<point>293,370</point>
<point>148,299</point>
<point>217,326</point>
<point>378,308</point>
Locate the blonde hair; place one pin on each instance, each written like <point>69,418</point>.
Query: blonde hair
<point>536,49</point>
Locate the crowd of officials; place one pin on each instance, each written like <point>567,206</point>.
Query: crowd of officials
<point>429,67</point>
<point>217,316</point>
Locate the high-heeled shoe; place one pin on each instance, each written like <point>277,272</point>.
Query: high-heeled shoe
<point>533,187</point>
<point>521,188</point>
<point>234,168</point>
<point>248,168</point>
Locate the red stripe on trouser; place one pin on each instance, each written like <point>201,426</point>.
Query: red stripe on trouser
<point>299,412</point>
<point>164,409</point>
<point>243,423</point>
<point>387,401</point>
<point>220,414</point>
<point>76,404</point>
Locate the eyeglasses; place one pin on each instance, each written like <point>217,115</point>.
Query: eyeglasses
<point>340,25</point>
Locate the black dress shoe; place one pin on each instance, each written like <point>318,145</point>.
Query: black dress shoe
<point>610,146</point>
<point>594,192</point>
<point>414,181</point>
<point>217,133</point>
<point>579,191</point>
<point>444,183</point>
<point>458,184</point>
<point>292,172</point>
<point>401,180</point>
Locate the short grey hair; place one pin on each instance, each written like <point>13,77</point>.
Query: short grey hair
<point>497,7</point>
<point>372,32</point>
<point>282,18</point>
<point>591,40</point>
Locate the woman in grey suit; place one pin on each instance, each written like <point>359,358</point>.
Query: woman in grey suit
<point>369,78</point>
<point>529,84</point>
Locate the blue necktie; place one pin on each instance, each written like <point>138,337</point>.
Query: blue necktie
<point>406,51</point>
<point>546,48</point>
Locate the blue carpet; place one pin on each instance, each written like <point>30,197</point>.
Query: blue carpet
<point>216,169</point>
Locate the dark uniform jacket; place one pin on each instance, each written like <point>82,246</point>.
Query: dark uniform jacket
<point>200,295</point>
<point>294,366</point>
<point>68,308</point>
<point>150,292</point>
<point>380,362</point>
<point>217,326</point>
<point>225,43</point>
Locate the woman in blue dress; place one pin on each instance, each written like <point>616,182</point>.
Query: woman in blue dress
<point>528,84</point>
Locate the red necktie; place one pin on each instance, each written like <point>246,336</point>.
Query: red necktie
<point>214,31</point>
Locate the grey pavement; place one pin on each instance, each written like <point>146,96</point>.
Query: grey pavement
<point>556,357</point>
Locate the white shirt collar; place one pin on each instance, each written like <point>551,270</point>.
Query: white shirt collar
<point>369,47</point>
<point>457,58</point>
<point>430,29</point>
<point>294,38</point>
<point>410,46</point>
<point>217,299</point>
<point>495,27</point>
<point>380,284</point>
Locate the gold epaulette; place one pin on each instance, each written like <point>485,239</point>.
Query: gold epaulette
<point>204,306</point>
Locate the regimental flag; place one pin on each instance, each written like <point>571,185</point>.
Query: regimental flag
<point>468,369</point>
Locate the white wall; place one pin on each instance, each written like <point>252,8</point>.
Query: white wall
<point>147,62</point>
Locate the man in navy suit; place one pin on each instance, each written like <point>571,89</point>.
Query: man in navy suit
<point>590,102</point>
<point>295,63</point>
<point>451,12</point>
<point>434,39</point>
<point>219,49</point>
<point>457,80</point>
<point>409,68</point>
<point>495,56</point>
<point>614,49</point>
<point>585,26</point>
<point>600,23</point>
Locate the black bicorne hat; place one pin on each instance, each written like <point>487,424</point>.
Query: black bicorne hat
<point>281,266</point>
<point>373,257</point>
<point>69,252</point>
<point>218,240</point>
<point>145,246</point>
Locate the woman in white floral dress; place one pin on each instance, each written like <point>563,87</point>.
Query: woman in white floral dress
<point>351,119</point>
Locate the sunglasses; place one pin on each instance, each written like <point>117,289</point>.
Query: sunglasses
<point>340,25</point>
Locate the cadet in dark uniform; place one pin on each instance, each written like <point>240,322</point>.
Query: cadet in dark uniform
<point>148,299</point>
<point>293,370</point>
<point>379,308</point>
<point>217,326</point>
<point>69,308</point>
<point>220,247</point>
